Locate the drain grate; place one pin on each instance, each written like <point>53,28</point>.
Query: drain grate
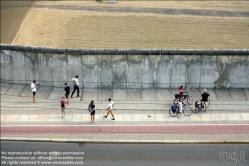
<point>81,145</point>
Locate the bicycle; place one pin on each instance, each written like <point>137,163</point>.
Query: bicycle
<point>187,96</point>
<point>174,110</point>
<point>199,106</point>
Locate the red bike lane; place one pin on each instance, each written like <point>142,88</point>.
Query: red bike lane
<point>169,129</point>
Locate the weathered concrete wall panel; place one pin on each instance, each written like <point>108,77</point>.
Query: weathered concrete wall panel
<point>193,71</point>
<point>178,76</point>
<point>74,68</point>
<point>209,71</point>
<point>5,66</point>
<point>45,73</point>
<point>164,71</point>
<point>89,71</point>
<point>119,70</point>
<point>17,67</point>
<point>125,69</point>
<point>31,67</point>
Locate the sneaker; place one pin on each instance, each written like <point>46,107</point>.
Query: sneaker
<point>113,119</point>
<point>105,116</point>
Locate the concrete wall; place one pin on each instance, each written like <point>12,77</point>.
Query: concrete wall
<point>118,69</point>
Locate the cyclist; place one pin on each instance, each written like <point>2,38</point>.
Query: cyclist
<point>180,103</point>
<point>180,91</point>
<point>204,99</point>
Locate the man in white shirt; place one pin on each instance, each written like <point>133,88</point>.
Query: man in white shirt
<point>33,89</point>
<point>110,108</point>
<point>76,86</point>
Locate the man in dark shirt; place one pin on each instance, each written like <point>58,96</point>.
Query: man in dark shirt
<point>204,99</point>
<point>67,92</point>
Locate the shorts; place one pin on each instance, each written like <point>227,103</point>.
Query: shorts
<point>63,109</point>
<point>92,113</point>
<point>66,95</point>
<point>34,93</point>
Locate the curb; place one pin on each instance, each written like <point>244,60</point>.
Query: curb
<point>124,141</point>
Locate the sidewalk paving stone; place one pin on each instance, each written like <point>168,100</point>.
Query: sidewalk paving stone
<point>104,94</point>
<point>237,94</point>
<point>56,94</point>
<point>183,118</point>
<point>171,119</point>
<point>120,117</point>
<point>205,117</point>
<point>247,93</point>
<point>215,117</point>
<point>67,118</point>
<point>147,118</point>
<point>44,92</point>
<point>2,118</point>
<point>4,88</point>
<point>33,118</point>
<point>245,116</point>
<point>77,118</point>
<point>223,117</point>
<point>89,95</point>
<point>16,90</point>
<point>11,118</point>
<point>161,117</point>
<point>119,94</point>
<point>196,117</point>
<point>54,118</point>
<point>26,92</point>
<point>164,95</point>
<point>223,95</point>
<point>149,94</point>
<point>235,117</point>
<point>127,117</point>
<point>23,118</point>
<point>137,117</point>
<point>195,94</point>
<point>42,118</point>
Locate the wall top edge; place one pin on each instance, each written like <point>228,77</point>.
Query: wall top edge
<point>123,51</point>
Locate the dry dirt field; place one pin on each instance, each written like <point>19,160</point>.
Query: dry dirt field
<point>137,24</point>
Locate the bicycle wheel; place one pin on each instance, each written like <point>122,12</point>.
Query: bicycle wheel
<point>189,100</point>
<point>187,111</point>
<point>175,102</point>
<point>173,114</point>
<point>197,109</point>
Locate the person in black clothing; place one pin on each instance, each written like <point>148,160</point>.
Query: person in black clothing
<point>92,110</point>
<point>67,92</point>
<point>204,99</point>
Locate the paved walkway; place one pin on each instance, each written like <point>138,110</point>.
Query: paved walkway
<point>99,118</point>
<point>141,115</point>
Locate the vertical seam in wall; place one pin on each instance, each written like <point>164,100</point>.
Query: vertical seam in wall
<point>200,74</point>
<point>25,67</point>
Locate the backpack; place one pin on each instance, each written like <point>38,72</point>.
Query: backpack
<point>174,108</point>
<point>62,104</point>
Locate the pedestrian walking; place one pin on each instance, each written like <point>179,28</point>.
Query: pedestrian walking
<point>63,102</point>
<point>76,86</point>
<point>110,109</point>
<point>205,96</point>
<point>33,89</point>
<point>91,109</point>
<point>67,92</point>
